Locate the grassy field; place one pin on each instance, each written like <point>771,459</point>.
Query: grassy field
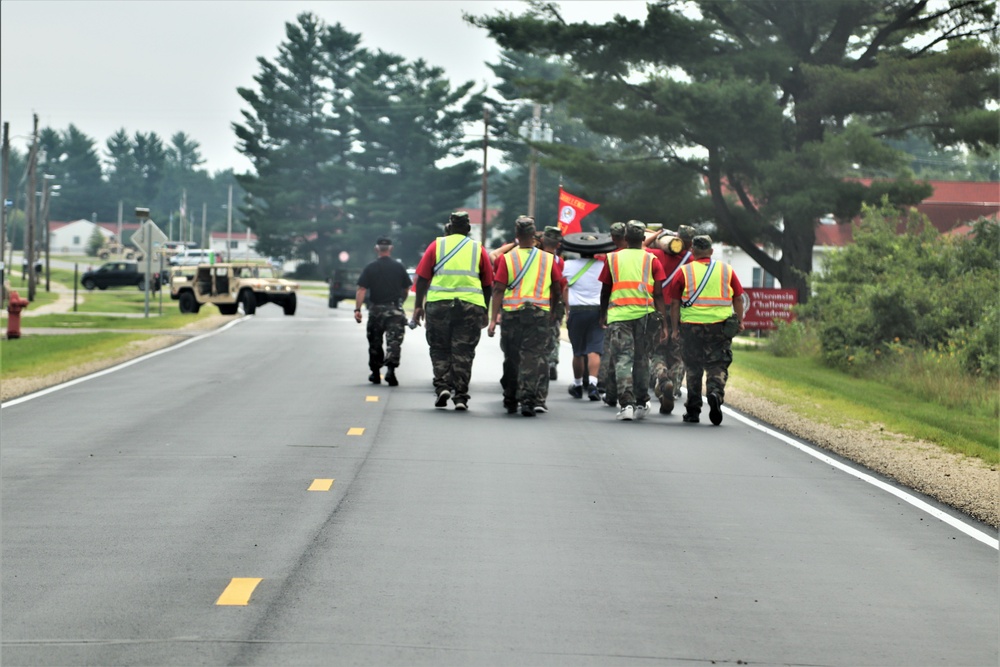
<point>829,396</point>
<point>43,355</point>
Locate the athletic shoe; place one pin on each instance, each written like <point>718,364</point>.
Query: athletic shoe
<point>626,414</point>
<point>461,406</point>
<point>642,410</point>
<point>390,377</point>
<point>374,378</point>
<point>553,373</point>
<point>511,407</point>
<point>690,418</point>
<point>677,391</point>
<point>527,410</point>
<point>576,390</point>
<point>714,408</point>
<point>442,399</point>
<point>541,408</point>
<point>593,394</point>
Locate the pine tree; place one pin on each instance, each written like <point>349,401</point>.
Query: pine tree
<point>768,103</point>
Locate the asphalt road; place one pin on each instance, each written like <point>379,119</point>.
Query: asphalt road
<point>135,502</point>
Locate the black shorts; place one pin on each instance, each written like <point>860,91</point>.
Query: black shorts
<point>585,332</point>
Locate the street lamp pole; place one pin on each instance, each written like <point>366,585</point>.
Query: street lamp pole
<point>48,191</point>
<point>535,131</point>
<point>29,246</point>
<point>229,224</point>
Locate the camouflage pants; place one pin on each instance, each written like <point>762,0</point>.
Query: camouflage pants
<point>631,342</point>
<point>555,333</point>
<point>707,352</point>
<point>386,321</point>
<point>606,373</point>
<point>453,331</point>
<point>524,340</point>
<point>666,363</point>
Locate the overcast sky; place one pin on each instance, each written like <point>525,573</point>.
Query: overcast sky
<point>165,67</point>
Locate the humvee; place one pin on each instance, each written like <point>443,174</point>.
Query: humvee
<point>113,248</point>
<point>230,285</point>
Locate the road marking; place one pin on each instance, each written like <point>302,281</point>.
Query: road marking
<point>902,494</point>
<point>238,592</point>
<point>355,430</point>
<point>320,485</point>
<point>371,399</point>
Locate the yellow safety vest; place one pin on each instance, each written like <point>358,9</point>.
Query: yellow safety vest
<point>632,284</point>
<point>457,276</point>
<point>715,302</point>
<point>534,287</point>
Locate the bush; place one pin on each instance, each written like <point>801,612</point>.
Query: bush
<point>916,289</point>
<point>792,339</point>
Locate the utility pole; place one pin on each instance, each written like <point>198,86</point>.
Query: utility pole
<point>533,173</point>
<point>486,142</point>
<point>3,211</point>
<point>29,250</point>
<point>229,223</point>
<point>204,215</point>
<point>120,223</point>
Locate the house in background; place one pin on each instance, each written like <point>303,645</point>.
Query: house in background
<point>950,208</point>
<point>239,246</point>
<point>71,238</point>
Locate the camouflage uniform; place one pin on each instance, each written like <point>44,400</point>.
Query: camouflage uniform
<point>629,343</point>
<point>666,364</point>
<point>524,337</point>
<point>707,351</point>
<point>453,331</point>
<point>606,378</point>
<point>386,320</point>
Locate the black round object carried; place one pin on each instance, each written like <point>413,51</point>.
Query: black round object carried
<point>588,243</point>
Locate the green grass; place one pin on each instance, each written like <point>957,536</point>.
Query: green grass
<point>833,397</point>
<point>171,319</point>
<point>42,355</point>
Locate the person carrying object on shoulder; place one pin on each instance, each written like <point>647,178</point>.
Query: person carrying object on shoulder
<point>632,306</point>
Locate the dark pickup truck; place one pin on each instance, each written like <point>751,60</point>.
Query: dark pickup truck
<point>118,274</point>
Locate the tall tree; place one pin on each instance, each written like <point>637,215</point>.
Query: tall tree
<point>768,103</point>
<point>71,156</point>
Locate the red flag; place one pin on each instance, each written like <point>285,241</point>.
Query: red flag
<point>572,210</point>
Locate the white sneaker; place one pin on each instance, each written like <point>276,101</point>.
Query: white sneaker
<point>626,414</point>
<point>642,410</point>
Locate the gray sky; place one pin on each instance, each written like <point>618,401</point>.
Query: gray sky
<point>170,66</point>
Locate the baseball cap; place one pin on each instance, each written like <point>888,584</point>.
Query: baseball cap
<point>635,230</point>
<point>703,242</point>
<point>618,229</point>
<point>383,241</point>
<point>686,232</point>
<point>523,225</point>
<point>552,233</point>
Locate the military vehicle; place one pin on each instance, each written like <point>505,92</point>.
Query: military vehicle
<point>230,286</point>
<point>112,248</point>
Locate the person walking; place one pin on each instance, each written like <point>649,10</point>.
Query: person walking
<point>583,323</point>
<point>526,289</point>
<point>454,278</point>
<point>666,366</point>
<point>632,305</point>
<point>384,285</point>
<point>606,373</point>
<point>706,313</point>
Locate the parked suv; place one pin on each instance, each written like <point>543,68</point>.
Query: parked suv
<point>118,274</point>
<point>343,285</point>
<point>191,257</point>
<point>229,286</point>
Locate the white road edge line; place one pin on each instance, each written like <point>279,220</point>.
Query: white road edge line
<point>118,367</point>
<point>954,522</point>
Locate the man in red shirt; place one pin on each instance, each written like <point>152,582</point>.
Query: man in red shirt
<point>706,313</point>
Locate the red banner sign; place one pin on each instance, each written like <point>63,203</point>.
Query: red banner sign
<point>572,210</point>
<point>762,306</point>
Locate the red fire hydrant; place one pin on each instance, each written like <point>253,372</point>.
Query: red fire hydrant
<point>15,304</point>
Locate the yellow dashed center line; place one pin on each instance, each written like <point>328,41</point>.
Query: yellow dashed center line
<point>355,430</point>
<point>371,399</point>
<point>238,592</point>
<point>320,485</point>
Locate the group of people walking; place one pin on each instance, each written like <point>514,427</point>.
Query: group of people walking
<point>640,318</point>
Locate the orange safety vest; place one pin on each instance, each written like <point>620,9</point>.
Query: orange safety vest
<point>715,302</point>
<point>535,286</point>
<point>632,284</point>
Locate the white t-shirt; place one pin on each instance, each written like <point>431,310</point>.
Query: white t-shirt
<point>586,291</point>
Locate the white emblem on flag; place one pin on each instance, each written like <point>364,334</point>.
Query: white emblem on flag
<point>567,213</point>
